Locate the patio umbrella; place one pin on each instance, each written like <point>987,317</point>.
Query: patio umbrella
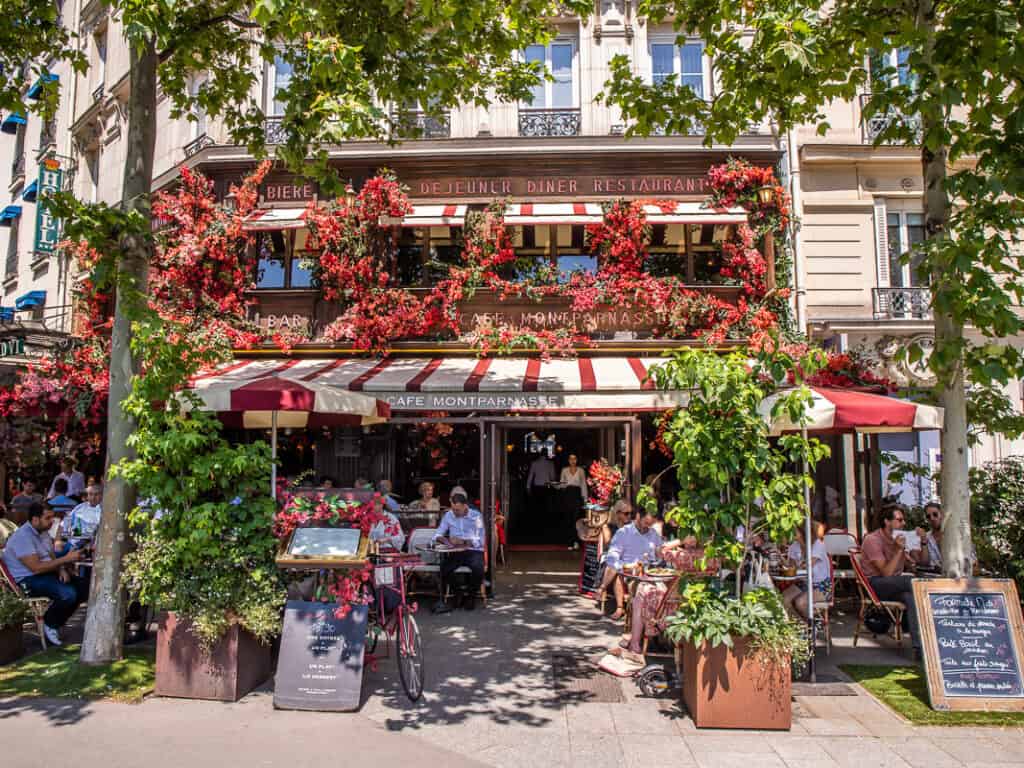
<point>272,399</point>
<point>839,411</point>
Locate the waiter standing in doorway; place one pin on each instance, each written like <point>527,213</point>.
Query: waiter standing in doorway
<point>542,472</point>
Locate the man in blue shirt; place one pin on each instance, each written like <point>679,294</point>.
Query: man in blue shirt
<point>462,527</point>
<point>30,559</point>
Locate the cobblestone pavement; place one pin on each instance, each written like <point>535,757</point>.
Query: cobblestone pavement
<point>490,700</point>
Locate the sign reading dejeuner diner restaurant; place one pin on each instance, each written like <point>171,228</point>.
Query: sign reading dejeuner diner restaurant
<point>972,639</point>
<point>51,178</point>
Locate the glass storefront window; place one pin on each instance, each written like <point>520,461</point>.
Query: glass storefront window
<point>576,262</point>
<point>302,270</point>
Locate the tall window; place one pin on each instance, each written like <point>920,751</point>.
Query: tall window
<point>92,162</point>
<point>280,78</point>
<point>283,260</point>
<point>905,230</point>
<point>11,267</point>
<point>685,62</point>
<point>199,125</point>
<point>558,58</point>
<point>100,47</point>
<point>889,68</point>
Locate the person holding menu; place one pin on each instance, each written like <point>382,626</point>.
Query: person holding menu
<point>883,558</point>
<point>462,527</point>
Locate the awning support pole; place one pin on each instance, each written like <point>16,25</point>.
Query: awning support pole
<point>808,543</point>
<point>273,454</point>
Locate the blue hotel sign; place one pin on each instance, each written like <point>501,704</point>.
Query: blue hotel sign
<point>51,179</point>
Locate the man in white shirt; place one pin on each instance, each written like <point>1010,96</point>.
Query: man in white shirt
<point>462,527</point>
<point>631,544</point>
<point>76,480</point>
<point>84,520</point>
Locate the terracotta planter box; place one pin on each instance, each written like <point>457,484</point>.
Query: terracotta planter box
<point>236,664</point>
<point>12,644</point>
<point>727,688</point>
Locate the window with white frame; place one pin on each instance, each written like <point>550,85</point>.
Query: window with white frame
<point>99,41</point>
<point>558,58</point>
<point>92,164</point>
<point>904,230</point>
<point>197,109</point>
<point>687,63</point>
<point>279,78</point>
<point>891,68</point>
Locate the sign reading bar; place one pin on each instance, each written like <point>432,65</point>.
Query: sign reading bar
<point>320,665</point>
<point>51,179</point>
<point>972,639</point>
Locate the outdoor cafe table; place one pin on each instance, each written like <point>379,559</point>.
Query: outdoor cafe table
<point>442,552</point>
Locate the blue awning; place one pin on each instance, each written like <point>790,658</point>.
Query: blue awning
<point>37,88</point>
<point>11,123</point>
<point>6,314</point>
<point>29,195</point>
<point>30,300</point>
<point>9,214</point>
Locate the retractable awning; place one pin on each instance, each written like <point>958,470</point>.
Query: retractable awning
<point>30,300</point>
<point>267,219</point>
<point>463,384</point>
<point>842,410</point>
<point>449,215</point>
<point>9,214</point>
<point>37,87</point>
<point>11,122</point>
<point>519,214</point>
<point>694,213</point>
<point>31,192</point>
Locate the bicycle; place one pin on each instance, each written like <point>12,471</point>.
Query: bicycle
<point>397,625</point>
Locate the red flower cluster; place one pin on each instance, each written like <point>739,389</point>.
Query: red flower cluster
<point>605,481</point>
<point>845,371</point>
<point>743,262</point>
<point>621,241</point>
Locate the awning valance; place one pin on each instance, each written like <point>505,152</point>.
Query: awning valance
<point>461,384</point>
<point>449,215</point>
<point>11,122</point>
<point>524,214</point>
<point>694,213</point>
<point>268,219</point>
<point>9,214</point>
<point>31,192</point>
<point>30,300</point>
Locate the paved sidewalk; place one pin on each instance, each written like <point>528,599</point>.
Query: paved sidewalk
<point>490,700</point>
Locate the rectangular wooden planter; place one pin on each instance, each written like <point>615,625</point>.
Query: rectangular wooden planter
<point>729,688</point>
<point>236,664</point>
<point>12,644</point>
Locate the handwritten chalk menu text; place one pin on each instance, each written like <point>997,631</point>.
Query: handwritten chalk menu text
<point>975,642</point>
<point>590,568</point>
<point>320,666</point>
<point>972,637</point>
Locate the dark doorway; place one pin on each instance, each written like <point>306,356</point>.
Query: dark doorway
<point>546,516</point>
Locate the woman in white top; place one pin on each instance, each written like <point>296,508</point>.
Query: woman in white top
<point>795,598</point>
<point>427,501</point>
<point>575,475</point>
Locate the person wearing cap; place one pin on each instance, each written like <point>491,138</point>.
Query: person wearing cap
<point>462,526</point>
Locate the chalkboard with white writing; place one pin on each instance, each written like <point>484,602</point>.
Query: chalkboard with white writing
<point>971,636</point>
<point>590,568</point>
<point>320,665</point>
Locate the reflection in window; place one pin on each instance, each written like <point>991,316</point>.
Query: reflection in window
<point>302,271</point>
<point>556,59</point>
<point>686,61</point>
<point>270,272</point>
<point>570,263</point>
<point>905,231</point>
<point>282,77</point>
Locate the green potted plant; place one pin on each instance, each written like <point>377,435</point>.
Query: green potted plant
<point>204,532</point>
<point>13,615</point>
<point>736,649</point>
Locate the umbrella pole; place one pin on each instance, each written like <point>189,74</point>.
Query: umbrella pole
<point>273,454</point>
<point>808,543</point>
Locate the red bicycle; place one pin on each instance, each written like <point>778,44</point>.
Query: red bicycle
<point>391,616</point>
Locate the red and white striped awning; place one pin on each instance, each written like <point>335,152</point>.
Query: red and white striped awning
<point>444,215</point>
<point>463,384</point>
<point>694,213</point>
<point>519,214</point>
<point>250,395</point>
<point>264,219</point>
<point>843,410</point>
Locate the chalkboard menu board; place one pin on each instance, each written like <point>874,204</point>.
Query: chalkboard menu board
<point>590,568</point>
<point>320,666</point>
<point>972,640</point>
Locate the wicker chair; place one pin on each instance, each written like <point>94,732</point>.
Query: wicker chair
<point>37,605</point>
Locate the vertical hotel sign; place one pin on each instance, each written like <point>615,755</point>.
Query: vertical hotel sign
<point>51,179</point>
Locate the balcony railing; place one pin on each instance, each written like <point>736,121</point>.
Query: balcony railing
<point>414,124</point>
<point>198,144</point>
<point>881,122</point>
<point>273,130</point>
<point>902,303</point>
<point>549,122</point>
<point>18,167</point>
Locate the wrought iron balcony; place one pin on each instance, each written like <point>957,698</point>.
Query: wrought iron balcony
<point>197,144</point>
<point>97,94</point>
<point>880,122</point>
<point>413,124</point>
<point>549,122</point>
<point>18,167</point>
<point>902,303</point>
<point>273,130</point>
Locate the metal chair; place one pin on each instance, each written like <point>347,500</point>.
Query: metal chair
<point>420,537</point>
<point>838,542</point>
<point>37,605</point>
<point>869,599</point>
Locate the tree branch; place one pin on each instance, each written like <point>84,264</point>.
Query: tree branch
<point>211,22</point>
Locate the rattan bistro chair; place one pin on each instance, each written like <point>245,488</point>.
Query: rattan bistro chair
<point>37,605</point>
<point>429,570</point>
<point>869,599</point>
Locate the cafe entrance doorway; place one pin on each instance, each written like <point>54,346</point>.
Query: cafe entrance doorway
<point>540,512</point>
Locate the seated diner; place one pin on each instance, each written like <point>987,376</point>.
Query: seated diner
<point>462,527</point>
<point>884,560</point>
<point>795,596</point>
<point>633,543</point>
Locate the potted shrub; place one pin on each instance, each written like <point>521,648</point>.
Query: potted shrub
<point>735,649</point>
<point>205,545</point>
<point>13,615</point>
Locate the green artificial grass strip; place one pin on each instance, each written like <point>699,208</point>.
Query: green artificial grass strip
<point>905,690</point>
<point>56,673</point>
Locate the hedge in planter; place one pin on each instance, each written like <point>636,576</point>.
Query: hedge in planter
<point>14,613</point>
<point>732,473</point>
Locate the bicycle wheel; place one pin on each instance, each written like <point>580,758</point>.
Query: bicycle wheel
<point>410,656</point>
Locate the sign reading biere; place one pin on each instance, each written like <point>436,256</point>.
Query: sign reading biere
<point>972,639</point>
